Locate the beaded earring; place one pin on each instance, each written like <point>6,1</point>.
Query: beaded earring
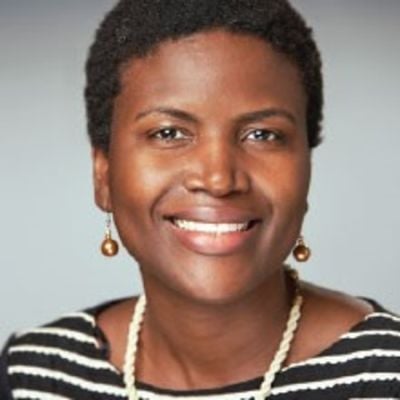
<point>109,247</point>
<point>301,252</point>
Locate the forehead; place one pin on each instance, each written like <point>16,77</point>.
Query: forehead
<point>213,67</point>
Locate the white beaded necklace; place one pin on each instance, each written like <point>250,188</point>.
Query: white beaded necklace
<point>269,376</point>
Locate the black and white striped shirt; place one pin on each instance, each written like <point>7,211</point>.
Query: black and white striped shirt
<point>68,359</point>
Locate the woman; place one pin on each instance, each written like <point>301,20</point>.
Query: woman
<point>202,117</point>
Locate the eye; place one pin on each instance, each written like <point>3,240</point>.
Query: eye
<point>169,134</point>
<point>263,135</point>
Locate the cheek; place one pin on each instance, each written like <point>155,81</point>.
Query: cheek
<point>295,181</point>
<point>137,179</point>
<point>285,185</point>
<point>137,183</point>
<point>284,180</point>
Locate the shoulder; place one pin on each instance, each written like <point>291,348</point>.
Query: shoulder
<point>348,349</point>
<point>329,315</point>
<point>70,332</point>
<point>64,356</point>
<point>352,321</point>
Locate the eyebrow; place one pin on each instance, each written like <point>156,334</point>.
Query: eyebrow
<point>259,115</point>
<point>252,116</point>
<point>172,112</point>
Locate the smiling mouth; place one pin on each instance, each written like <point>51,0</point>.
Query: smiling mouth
<point>212,228</point>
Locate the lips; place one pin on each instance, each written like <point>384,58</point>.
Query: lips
<point>213,231</point>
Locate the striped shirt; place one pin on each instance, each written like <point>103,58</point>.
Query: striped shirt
<point>68,359</point>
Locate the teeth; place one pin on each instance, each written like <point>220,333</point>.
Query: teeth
<point>207,227</point>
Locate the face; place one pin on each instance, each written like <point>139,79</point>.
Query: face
<point>208,167</point>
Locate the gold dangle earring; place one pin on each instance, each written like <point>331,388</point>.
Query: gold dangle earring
<point>301,252</point>
<point>109,246</point>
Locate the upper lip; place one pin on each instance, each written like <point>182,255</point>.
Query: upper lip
<point>216,215</point>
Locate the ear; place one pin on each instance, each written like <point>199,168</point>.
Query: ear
<point>101,179</point>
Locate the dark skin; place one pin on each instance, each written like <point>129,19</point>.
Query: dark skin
<point>212,129</point>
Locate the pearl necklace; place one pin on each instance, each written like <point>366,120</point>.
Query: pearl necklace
<point>276,365</point>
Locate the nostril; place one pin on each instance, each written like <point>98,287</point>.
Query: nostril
<point>193,182</point>
<point>216,183</point>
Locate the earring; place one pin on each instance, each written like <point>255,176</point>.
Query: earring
<point>109,246</point>
<point>301,252</point>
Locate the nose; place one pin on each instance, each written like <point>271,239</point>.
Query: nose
<point>215,169</point>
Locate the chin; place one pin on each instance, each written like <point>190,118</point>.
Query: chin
<point>221,293</point>
<point>209,283</point>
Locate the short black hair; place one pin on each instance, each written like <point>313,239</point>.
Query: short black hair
<point>135,27</point>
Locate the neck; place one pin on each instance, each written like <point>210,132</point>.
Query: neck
<point>209,345</point>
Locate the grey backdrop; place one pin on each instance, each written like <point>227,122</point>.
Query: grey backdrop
<point>50,229</point>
